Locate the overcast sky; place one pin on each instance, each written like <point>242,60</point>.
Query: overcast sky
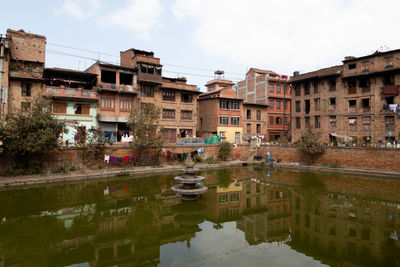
<point>195,37</point>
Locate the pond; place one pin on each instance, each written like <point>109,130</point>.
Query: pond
<point>250,216</point>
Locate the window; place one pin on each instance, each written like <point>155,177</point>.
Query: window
<point>235,105</point>
<point>317,122</point>
<point>315,85</point>
<point>278,120</point>
<point>168,113</point>
<point>187,98</point>
<point>298,122</point>
<point>108,76</point>
<point>223,198</point>
<point>389,122</point>
<point>258,128</point>
<point>307,88</point>
<point>271,103</point>
<point>353,124</point>
<point>366,123</point>
<point>223,104</point>
<point>297,106</point>
<point>271,120</point>
<point>235,120</point>
<point>307,121</point>
<point>224,120</point>
<point>332,103</point>
<point>168,96</point>
<point>25,106</point>
<point>316,104</point>
<point>248,126</point>
<point>125,104</point>
<point>364,83</point>
<point>147,90</point>
<point>258,115</point>
<point>278,104</point>
<point>297,90</point>
<point>388,62</point>
<point>352,66</point>
<point>332,121</point>
<point>365,66</point>
<point>352,86</point>
<point>332,85</point>
<point>285,87</point>
<point>186,115</point>
<point>125,78</point>
<point>107,102</point>
<point>365,105</point>
<point>25,89</point>
<point>82,109</point>
<point>248,114</point>
<point>271,87</point>
<point>307,106</point>
<point>234,196</point>
<point>278,88</point>
<point>388,79</point>
<point>59,108</point>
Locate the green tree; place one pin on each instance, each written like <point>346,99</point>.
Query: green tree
<point>224,151</point>
<point>26,135</point>
<point>145,125</point>
<point>310,145</point>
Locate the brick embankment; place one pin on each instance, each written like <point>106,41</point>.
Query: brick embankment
<point>137,172</point>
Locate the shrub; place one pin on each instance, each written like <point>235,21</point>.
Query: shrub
<point>310,145</point>
<point>210,160</point>
<point>224,151</point>
<point>197,159</point>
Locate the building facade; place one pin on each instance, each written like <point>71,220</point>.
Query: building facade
<point>220,112</point>
<point>254,119</point>
<point>357,102</point>
<point>26,65</point>
<point>268,88</point>
<point>4,65</point>
<point>74,101</point>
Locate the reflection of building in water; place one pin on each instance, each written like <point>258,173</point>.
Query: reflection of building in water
<point>266,212</point>
<point>332,225</point>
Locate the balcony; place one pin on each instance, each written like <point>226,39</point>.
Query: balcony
<point>150,78</point>
<point>352,90</point>
<point>365,90</point>
<point>365,109</point>
<point>390,90</point>
<point>69,92</point>
<point>389,127</point>
<point>27,74</point>
<point>117,88</point>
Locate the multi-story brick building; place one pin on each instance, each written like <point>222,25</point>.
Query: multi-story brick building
<point>26,64</point>
<point>117,94</point>
<point>176,99</point>
<point>268,88</point>
<point>220,111</point>
<point>317,102</point>
<point>74,101</point>
<point>254,119</point>
<point>4,65</point>
<point>359,99</point>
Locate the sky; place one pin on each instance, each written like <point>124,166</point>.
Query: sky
<point>193,38</point>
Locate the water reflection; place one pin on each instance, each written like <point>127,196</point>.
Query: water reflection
<point>248,216</point>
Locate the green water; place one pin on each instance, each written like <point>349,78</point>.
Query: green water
<point>250,217</point>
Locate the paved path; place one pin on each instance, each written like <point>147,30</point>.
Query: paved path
<point>21,181</point>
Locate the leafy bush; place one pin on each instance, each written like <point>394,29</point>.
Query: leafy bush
<point>197,159</point>
<point>210,160</point>
<point>224,151</point>
<point>310,145</point>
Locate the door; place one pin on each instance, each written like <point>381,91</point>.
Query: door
<point>237,137</point>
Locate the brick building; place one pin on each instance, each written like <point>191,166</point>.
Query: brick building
<point>176,99</point>
<point>254,119</point>
<point>268,88</point>
<point>74,101</point>
<point>26,64</point>
<point>117,90</point>
<point>220,112</point>
<point>358,99</point>
<point>4,65</point>
<point>317,102</point>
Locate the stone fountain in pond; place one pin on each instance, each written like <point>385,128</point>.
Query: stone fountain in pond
<point>191,185</point>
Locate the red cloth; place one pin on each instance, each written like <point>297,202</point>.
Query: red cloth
<point>125,159</point>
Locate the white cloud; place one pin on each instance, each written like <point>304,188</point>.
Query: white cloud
<point>139,16</point>
<point>286,35</point>
<point>79,9</point>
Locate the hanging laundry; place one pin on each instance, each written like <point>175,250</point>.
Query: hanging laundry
<point>125,159</point>
<point>169,154</point>
<point>106,191</point>
<point>163,150</point>
<point>125,187</point>
<point>107,158</point>
<point>393,107</point>
<point>120,160</point>
<point>113,159</point>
